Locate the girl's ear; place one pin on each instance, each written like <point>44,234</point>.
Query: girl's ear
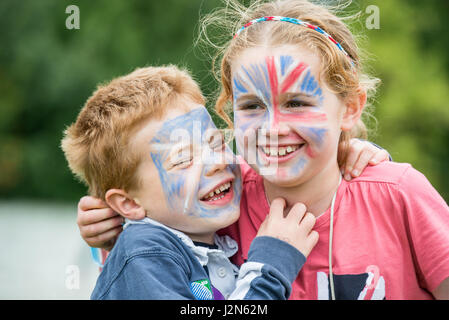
<point>353,110</point>
<point>125,205</point>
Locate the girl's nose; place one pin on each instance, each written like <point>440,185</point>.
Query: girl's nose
<point>273,128</point>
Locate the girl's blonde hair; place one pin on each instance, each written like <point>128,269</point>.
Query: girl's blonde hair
<point>342,78</point>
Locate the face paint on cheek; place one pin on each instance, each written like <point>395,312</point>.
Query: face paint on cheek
<point>172,184</point>
<point>179,186</point>
<point>316,134</point>
<point>271,81</point>
<point>296,168</point>
<point>182,186</point>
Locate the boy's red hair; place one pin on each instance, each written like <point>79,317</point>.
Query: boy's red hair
<point>97,144</point>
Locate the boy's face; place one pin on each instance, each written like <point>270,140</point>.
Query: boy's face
<point>189,179</point>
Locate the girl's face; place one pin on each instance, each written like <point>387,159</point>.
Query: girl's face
<point>287,122</point>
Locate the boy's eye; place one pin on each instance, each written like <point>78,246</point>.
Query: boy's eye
<point>182,159</point>
<point>182,163</point>
<point>215,140</point>
<point>217,144</point>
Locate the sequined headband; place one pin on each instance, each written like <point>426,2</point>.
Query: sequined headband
<point>298,22</point>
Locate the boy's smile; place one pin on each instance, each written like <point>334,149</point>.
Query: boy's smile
<point>190,181</point>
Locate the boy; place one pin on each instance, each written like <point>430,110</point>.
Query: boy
<point>145,144</point>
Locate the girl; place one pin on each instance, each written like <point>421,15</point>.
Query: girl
<point>293,75</point>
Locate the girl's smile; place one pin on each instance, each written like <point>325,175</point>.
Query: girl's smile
<point>282,114</point>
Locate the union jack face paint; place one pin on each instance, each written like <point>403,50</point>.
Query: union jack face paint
<point>279,117</point>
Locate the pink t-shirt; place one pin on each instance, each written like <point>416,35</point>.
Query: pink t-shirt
<point>391,236</point>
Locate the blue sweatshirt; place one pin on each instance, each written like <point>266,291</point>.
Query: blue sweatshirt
<point>151,261</point>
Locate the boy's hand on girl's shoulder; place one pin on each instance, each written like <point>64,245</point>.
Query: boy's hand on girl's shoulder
<point>295,228</point>
<point>360,155</point>
<point>99,225</point>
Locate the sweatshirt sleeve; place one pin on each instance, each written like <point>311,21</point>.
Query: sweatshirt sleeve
<point>269,272</point>
<point>150,276</point>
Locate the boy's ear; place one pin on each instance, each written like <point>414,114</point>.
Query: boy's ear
<point>353,110</point>
<point>124,204</point>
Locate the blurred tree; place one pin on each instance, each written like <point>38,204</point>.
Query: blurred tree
<point>48,71</point>
<point>409,53</point>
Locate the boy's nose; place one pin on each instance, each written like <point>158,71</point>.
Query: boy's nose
<point>215,168</point>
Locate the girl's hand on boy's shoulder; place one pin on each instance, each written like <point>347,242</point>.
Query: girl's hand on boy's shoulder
<point>361,154</point>
<point>295,228</point>
<point>99,225</point>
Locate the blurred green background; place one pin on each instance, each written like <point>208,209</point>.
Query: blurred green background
<point>48,71</point>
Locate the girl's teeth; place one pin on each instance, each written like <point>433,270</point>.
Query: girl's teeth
<point>281,151</point>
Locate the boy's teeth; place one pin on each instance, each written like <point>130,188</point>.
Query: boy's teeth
<point>217,198</point>
<point>212,196</point>
<point>281,151</point>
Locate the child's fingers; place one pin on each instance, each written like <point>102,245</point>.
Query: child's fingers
<point>94,216</point>
<point>95,229</point>
<point>312,239</point>
<point>379,156</point>
<point>88,203</point>
<point>296,213</point>
<point>362,162</point>
<point>104,240</point>
<point>308,222</point>
<point>277,208</point>
<point>355,148</point>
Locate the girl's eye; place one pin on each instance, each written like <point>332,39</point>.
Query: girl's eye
<point>297,104</point>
